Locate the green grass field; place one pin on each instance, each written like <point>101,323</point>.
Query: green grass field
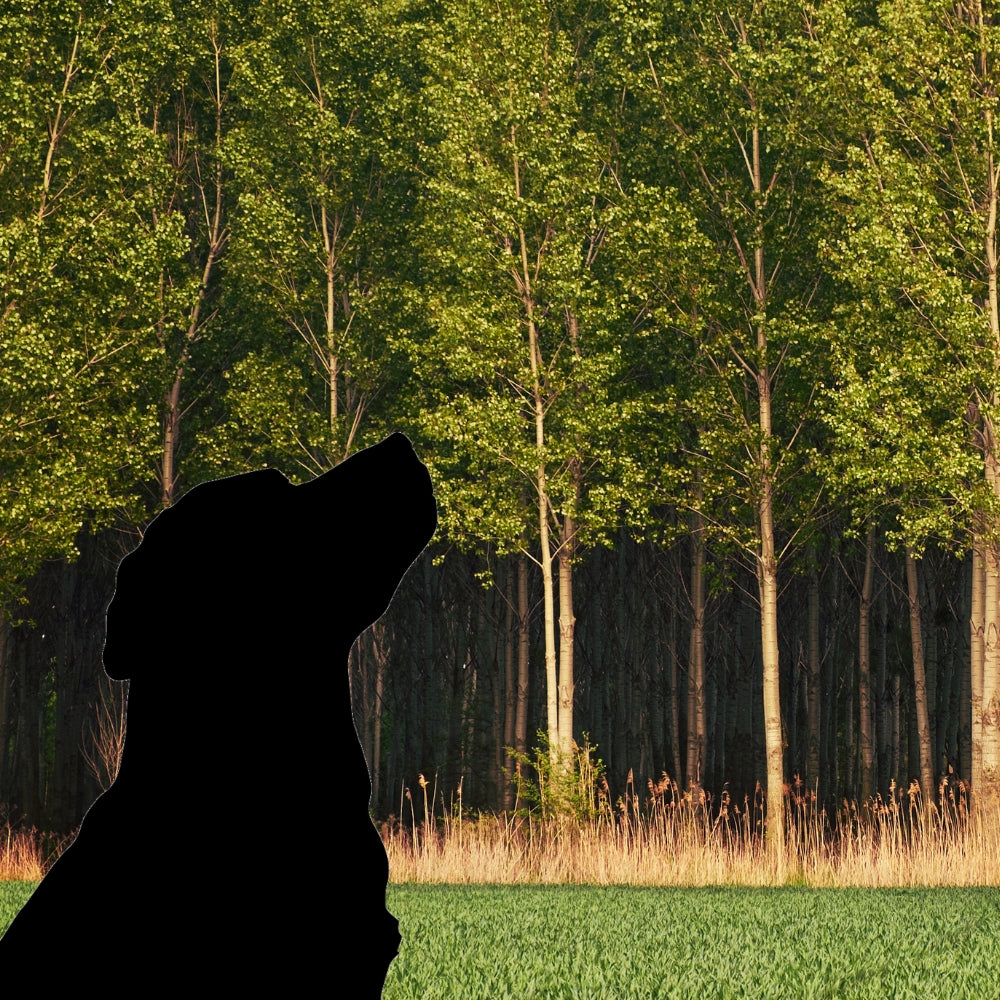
<point>580,943</point>
<point>526,942</point>
<point>13,896</point>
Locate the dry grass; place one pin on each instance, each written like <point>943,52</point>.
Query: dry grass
<point>21,855</point>
<point>105,742</point>
<point>26,853</point>
<point>683,839</point>
<point>666,838</point>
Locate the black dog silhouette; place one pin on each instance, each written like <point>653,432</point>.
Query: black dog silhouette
<point>235,847</point>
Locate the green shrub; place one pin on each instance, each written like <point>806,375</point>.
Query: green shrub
<point>559,787</point>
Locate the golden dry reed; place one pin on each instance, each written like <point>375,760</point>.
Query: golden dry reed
<point>21,855</point>
<point>669,838</point>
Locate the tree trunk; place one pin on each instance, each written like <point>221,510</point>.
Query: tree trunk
<point>29,746</point>
<point>216,240</point>
<point>567,631</point>
<point>813,691</point>
<point>882,698</point>
<point>767,563</point>
<point>767,576</point>
<point>991,550</point>
<point>376,758</point>
<point>895,728</point>
<point>541,488</point>
<point>331,361</point>
<point>919,680</point>
<point>651,630</point>
<point>932,669</point>
<point>696,655</point>
<point>864,674</point>
<point>6,688</point>
<point>549,620</point>
<point>850,747</point>
<point>773,740</point>
<point>509,684</point>
<point>523,655</point>
<point>990,713</point>
<point>674,694</point>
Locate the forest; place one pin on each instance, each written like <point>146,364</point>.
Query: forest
<point>691,309</point>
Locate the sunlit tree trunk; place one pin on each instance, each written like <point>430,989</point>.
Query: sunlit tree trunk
<point>990,711</point>
<point>548,591</point>
<point>767,562</point>
<point>332,359</point>
<point>542,495</point>
<point>567,631</point>
<point>977,651</point>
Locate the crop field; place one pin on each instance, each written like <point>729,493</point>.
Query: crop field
<point>13,895</point>
<point>629,943</point>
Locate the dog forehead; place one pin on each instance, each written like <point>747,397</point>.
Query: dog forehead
<point>232,510</point>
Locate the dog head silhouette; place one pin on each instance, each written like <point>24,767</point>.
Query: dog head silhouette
<point>232,621</point>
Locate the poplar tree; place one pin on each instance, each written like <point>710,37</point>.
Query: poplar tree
<point>522,365</point>
<point>79,284</point>
<point>916,398</point>
<point>319,212</point>
<point>727,96</point>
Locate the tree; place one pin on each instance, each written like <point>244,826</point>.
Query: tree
<point>732,128</point>
<point>78,288</point>
<point>319,209</point>
<point>80,306</point>
<point>915,396</point>
<point>522,368</point>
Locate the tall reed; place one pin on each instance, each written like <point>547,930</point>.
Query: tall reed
<point>669,836</point>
